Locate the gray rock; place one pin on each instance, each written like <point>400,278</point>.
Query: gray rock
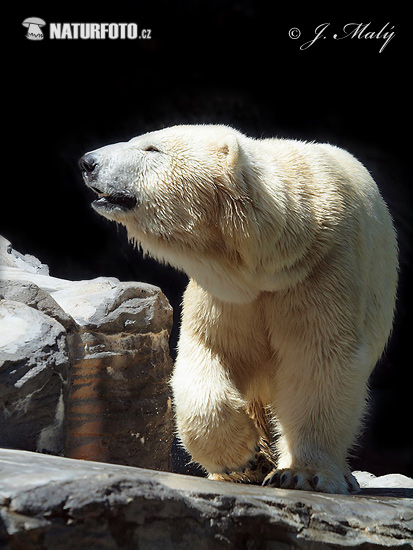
<point>107,305</point>
<point>26,268</point>
<point>34,369</point>
<point>55,503</point>
<point>30,294</point>
<point>11,258</point>
<point>117,335</point>
<point>391,484</point>
<point>103,304</point>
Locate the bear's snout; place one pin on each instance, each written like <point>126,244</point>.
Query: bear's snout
<point>88,163</point>
<point>112,201</point>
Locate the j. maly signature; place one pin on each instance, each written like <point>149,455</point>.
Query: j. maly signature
<point>353,30</point>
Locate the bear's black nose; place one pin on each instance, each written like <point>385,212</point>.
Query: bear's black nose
<point>88,162</point>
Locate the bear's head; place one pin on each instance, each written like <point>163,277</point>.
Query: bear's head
<point>181,193</point>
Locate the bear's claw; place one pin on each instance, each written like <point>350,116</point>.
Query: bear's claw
<point>308,480</point>
<point>254,472</point>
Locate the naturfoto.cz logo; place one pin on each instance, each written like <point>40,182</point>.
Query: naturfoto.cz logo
<point>85,31</point>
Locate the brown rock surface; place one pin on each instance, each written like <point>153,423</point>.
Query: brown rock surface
<point>119,408</point>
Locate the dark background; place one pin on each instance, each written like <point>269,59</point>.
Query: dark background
<point>206,62</point>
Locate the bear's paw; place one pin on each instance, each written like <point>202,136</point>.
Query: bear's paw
<point>312,479</point>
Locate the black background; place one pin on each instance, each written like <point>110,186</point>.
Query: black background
<point>206,62</point>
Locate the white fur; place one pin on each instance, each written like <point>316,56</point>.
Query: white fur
<point>292,257</point>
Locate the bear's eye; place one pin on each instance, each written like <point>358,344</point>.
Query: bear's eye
<point>152,149</point>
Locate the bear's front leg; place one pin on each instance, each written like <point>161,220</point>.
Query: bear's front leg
<point>318,408</point>
<point>212,421</point>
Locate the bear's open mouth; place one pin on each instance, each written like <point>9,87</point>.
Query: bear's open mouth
<point>123,201</point>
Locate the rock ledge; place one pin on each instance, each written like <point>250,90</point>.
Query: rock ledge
<point>48,502</point>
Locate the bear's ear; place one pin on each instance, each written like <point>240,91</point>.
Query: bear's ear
<point>228,148</point>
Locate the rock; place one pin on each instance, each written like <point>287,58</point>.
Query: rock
<point>109,306</point>
<point>30,294</point>
<point>34,370</point>
<point>394,484</point>
<point>120,407</point>
<point>117,338</point>
<point>57,503</point>
<point>11,258</point>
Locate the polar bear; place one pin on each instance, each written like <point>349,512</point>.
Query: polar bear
<point>292,260</point>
